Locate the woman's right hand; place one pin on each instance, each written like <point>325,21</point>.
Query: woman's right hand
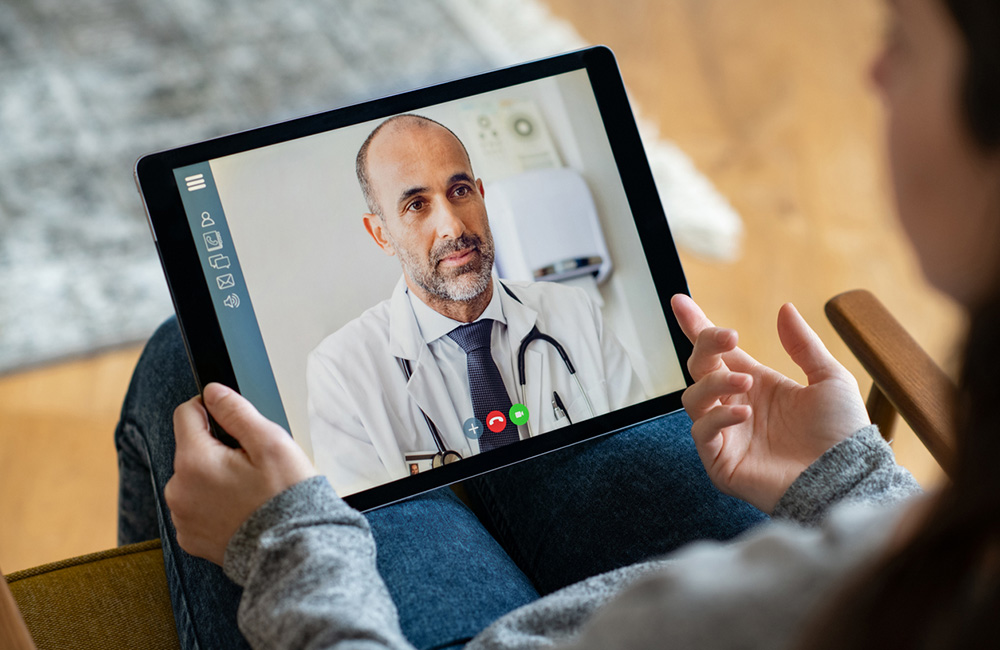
<point>755,429</point>
<point>214,488</point>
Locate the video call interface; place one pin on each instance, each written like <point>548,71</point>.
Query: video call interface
<point>489,287</point>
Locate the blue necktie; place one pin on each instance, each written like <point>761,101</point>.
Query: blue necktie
<point>488,391</point>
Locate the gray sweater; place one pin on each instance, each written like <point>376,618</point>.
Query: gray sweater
<point>306,561</point>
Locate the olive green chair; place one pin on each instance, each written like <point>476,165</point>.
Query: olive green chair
<point>103,601</point>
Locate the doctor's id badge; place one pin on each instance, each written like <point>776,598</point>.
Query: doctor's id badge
<point>419,461</point>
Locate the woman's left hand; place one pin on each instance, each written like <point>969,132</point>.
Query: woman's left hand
<point>755,429</point>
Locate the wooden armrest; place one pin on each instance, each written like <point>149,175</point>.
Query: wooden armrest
<point>900,369</point>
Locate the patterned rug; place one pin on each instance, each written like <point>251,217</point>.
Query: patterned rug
<point>87,86</point>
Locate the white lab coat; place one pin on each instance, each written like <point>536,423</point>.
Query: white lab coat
<point>365,417</point>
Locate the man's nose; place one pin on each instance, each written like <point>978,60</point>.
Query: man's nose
<point>448,222</point>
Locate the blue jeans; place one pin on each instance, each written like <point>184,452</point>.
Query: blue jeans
<point>538,526</point>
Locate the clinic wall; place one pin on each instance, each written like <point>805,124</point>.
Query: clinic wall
<point>292,216</point>
<point>632,308</point>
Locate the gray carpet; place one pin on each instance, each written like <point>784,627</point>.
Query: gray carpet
<point>87,86</point>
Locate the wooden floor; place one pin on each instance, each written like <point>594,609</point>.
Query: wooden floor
<point>769,97</point>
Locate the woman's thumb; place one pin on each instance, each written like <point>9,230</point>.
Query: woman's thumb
<point>238,417</point>
<point>804,346</point>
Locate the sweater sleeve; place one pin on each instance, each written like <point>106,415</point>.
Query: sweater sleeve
<point>860,469</point>
<point>306,562</point>
<point>759,592</point>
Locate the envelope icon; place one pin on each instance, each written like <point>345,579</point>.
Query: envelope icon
<point>225,281</point>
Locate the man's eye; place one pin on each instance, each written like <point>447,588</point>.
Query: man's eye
<point>461,191</point>
<point>416,206</point>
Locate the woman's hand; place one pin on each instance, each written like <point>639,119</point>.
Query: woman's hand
<point>755,429</point>
<point>214,488</point>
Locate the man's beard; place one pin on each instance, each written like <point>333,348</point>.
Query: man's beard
<point>463,283</point>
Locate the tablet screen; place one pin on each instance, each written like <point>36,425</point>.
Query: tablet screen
<point>414,291</point>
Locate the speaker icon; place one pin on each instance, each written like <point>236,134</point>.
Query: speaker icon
<point>232,301</point>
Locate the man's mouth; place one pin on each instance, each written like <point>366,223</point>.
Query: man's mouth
<point>458,258</point>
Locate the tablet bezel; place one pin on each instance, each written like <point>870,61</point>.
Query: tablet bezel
<point>206,347</point>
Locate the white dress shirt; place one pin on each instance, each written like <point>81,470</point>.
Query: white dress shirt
<point>451,358</point>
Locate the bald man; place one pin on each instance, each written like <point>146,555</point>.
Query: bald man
<point>420,378</point>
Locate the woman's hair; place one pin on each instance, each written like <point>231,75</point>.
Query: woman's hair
<point>979,22</point>
<point>941,587</point>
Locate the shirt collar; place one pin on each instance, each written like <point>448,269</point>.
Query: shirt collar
<point>433,325</point>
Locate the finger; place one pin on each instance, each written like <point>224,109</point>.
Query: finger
<point>804,346</point>
<point>704,395</point>
<point>711,344</point>
<point>706,430</point>
<point>191,424</point>
<point>240,419</point>
<point>689,316</point>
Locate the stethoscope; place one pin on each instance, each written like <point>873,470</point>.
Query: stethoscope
<point>445,456</point>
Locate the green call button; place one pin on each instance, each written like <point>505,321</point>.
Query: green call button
<point>519,414</point>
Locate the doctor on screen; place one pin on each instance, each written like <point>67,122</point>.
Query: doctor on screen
<point>433,373</point>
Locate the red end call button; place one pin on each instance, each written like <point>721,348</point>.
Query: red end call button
<point>496,421</point>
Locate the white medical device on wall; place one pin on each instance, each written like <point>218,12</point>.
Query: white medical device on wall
<point>508,136</point>
<point>545,227</point>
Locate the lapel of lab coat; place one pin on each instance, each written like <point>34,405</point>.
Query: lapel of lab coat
<point>520,319</point>
<point>426,385</point>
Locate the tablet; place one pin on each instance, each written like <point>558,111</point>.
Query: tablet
<point>430,286</point>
